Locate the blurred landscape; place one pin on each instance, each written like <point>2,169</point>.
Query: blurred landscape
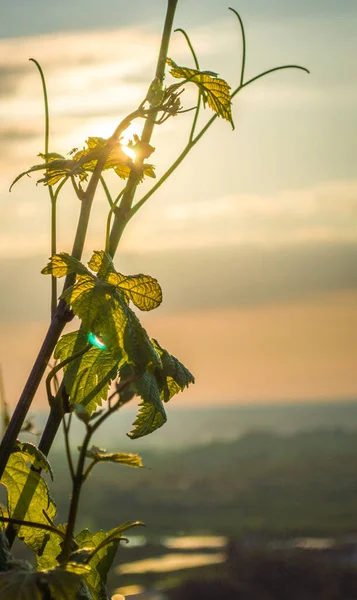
<point>227,487</point>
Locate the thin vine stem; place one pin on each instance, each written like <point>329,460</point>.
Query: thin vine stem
<point>60,186</point>
<point>106,191</point>
<point>61,316</point>
<point>66,428</point>
<point>60,366</point>
<point>79,475</point>
<point>195,59</point>
<point>194,141</point>
<point>53,196</point>
<point>33,524</point>
<point>130,189</point>
<point>109,219</point>
<point>244,45</point>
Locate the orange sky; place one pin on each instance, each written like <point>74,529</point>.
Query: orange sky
<point>294,351</point>
<point>253,239</point>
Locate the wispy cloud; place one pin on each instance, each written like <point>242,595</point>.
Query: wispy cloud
<point>323,212</point>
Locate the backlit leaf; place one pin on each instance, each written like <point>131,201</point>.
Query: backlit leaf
<point>142,149</point>
<point>21,584</point>
<point>63,264</point>
<point>69,344</point>
<point>155,94</point>
<point>82,162</point>
<point>147,387</point>
<point>124,458</point>
<point>27,498</point>
<point>138,346</point>
<point>102,263</point>
<point>52,549</point>
<point>87,297</point>
<point>123,171</point>
<point>87,378</point>
<point>148,420</point>
<point>35,456</point>
<point>102,560</point>
<point>215,92</point>
<point>176,375</point>
<point>144,291</point>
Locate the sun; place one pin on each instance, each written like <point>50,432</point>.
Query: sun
<point>104,128</point>
<point>134,128</point>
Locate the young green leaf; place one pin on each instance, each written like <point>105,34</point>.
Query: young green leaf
<point>148,388</point>
<point>138,346</point>
<point>176,375</point>
<point>63,264</point>
<point>144,291</point>
<point>87,298</point>
<point>103,310</point>
<point>123,171</point>
<point>155,94</point>
<point>87,378</point>
<point>48,559</point>
<point>69,344</point>
<point>27,499</point>
<point>82,162</point>
<point>34,456</point>
<point>26,584</point>
<point>124,458</point>
<point>102,263</point>
<point>148,420</point>
<point>103,547</point>
<point>52,162</point>
<point>214,91</point>
<point>155,385</point>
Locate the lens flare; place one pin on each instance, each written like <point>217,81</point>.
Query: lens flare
<point>96,341</point>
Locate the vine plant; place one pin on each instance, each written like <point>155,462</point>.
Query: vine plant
<point>110,350</point>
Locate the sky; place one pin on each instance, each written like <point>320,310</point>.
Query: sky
<point>253,238</point>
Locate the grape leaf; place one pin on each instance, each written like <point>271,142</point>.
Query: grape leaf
<point>214,91</point>
<point>138,346</point>
<point>149,418</point>
<point>56,166</point>
<point>63,264</point>
<point>87,378</point>
<point>124,458</point>
<point>87,298</point>
<point>106,545</point>
<point>102,263</point>
<point>148,388</point>
<point>144,291</point>
<point>102,306</point>
<point>82,162</point>
<point>69,344</point>
<point>123,171</point>
<point>154,386</point>
<point>35,456</point>
<point>26,584</point>
<point>105,312</point>
<point>27,498</point>
<point>52,549</point>
<point>117,160</point>
<point>175,374</point>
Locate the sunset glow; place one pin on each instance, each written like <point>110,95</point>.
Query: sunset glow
<point>255,230</point>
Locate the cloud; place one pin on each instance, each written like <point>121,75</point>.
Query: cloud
<point>322,212</point>
<point>204,278</point>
